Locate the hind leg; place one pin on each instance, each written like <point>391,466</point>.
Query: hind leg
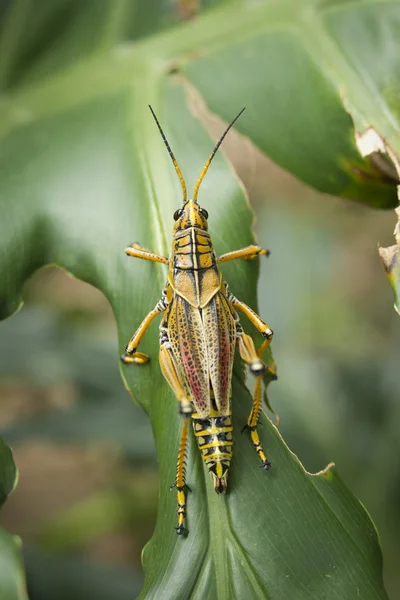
<point>257,367</point>
<point>180,479</point>
<point>169,370</point>
<point>171,374</point>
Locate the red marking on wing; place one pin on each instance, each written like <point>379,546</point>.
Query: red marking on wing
<point>220,332</point>
<point>189,347</point>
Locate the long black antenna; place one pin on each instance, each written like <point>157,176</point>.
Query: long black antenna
<point>213,153</point>
<point>177,169</point>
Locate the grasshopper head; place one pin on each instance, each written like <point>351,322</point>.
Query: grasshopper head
<point>190,215</point>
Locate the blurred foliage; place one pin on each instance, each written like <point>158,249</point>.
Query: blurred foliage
<point>69,578</point>
<point>65,368</point>
<point>390,258</point>
<point>83,165</point>
<point>40,350</point>
<point>286,61</point>
<point>12,579</point>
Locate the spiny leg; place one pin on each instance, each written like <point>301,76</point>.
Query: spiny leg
<point>252,422</point>
<point>250,356</point>
<point>138,251</point>
<point>248,253</point>
<point>180,480</point>
<point>170,373</point>
<point>130,350</point>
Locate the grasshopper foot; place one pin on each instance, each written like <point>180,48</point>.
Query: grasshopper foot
<point>266,465</point>
<point>138,358</point>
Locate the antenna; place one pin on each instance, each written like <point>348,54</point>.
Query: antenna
<point>213,153</point>
<point>177,169</point>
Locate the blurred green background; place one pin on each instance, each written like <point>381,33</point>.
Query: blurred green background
<point>65,412</point>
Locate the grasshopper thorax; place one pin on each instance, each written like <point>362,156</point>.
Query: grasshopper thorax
<point>190,215</point>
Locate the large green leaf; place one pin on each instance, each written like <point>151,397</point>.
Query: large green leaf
<point>77,216</point>
<point>287,61</point>
<point>12,579</point>
<point>84,173</point>
<point>292,63</point>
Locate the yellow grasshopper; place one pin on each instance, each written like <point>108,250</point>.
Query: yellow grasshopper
<point>199,332</point>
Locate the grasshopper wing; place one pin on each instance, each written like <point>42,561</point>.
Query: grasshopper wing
<point>186,335</point>
<point>220,333</point>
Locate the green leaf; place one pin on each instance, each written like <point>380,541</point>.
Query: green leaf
<point>12,578</point>
<point>81,216</point>
<point>84,173</point>
<point>288,62</point>
<point>291,72</point>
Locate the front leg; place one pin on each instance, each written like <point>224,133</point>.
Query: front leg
<point>137,251</point>
<point>248,253</point>
<point>130,350</point>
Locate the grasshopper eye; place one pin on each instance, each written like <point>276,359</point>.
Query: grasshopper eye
<point>178,213</point>
<point>204,213</point>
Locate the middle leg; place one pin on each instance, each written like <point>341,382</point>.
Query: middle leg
<point>253,317</point>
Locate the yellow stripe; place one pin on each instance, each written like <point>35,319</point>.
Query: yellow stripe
<point>212,457</point>
<point>227,429</point>
<point>212,413</point>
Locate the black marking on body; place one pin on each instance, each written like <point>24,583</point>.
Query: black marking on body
<point>194,255</point>
<point>207,432</point>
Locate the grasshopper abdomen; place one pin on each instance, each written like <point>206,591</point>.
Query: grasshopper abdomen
<point>214,438</point>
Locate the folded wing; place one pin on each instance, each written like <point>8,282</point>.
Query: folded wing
<point>188,342</point>
<point>220,333</point>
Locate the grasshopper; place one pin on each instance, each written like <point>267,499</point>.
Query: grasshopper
<point>199,332</point>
